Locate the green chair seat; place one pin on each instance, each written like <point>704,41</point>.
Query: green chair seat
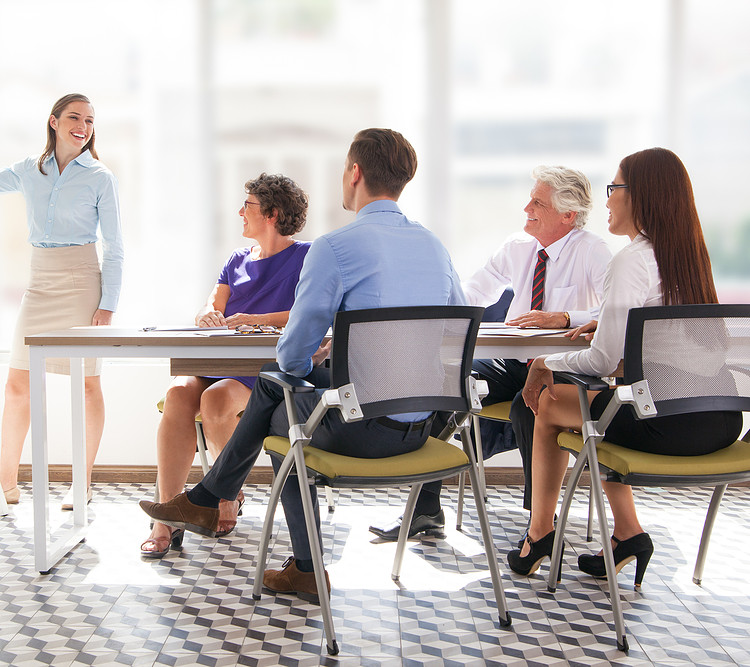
<point>498,411</point>
<point>632,465</point>
<point>434,457</point>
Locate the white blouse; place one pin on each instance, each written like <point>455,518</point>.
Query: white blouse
<point>632,281</point>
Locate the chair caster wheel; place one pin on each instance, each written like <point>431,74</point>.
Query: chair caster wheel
<point>507,621</point>
<point>256,597</point>
<point>333,649</point>
<point>623,646</point>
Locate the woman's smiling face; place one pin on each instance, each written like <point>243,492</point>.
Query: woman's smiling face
<point>74,127</point>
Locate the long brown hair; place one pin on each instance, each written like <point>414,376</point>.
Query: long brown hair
<point>664,211</point>
<point>57,110</point>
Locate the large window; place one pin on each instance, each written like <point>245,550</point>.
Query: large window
<point>194,97</point>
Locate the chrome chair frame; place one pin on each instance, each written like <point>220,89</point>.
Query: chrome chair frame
<point>344,399</point>
<point>637,393</point>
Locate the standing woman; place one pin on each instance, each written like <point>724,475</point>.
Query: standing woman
<point>69,195</point>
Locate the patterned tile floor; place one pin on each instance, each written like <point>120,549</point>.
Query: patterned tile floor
<point>103,605</point>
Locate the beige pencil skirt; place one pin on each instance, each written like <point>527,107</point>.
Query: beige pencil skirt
<point>64,291</point>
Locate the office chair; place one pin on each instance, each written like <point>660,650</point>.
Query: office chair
<point>385,361</point>
<point>678,360</point>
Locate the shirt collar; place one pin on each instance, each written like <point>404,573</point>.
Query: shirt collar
<point>85,159</point>
<point>555,249</point>
<point>377,206</point>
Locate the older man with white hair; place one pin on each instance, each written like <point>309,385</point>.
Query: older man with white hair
<point>556,270</point>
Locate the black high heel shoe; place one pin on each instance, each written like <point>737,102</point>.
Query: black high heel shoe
<point>639,547</point>
<point>539,550</point>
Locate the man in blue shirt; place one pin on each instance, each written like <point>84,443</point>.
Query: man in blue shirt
<point>380,260</point>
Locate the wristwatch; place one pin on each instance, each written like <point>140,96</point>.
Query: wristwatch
<point>567,319</point>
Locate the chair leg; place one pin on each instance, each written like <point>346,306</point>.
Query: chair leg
<point>562,522</point>
<point>460,504</point>
<point>403,533</point>
<point>316,553</point>
<point>201,445</point>
<point>329,499</point>
<point>480,458</point>
<point>590,519</point>
<point>489,545</point>
<point>609,559</point>
<point>713,510</point>
<point>265,536</point>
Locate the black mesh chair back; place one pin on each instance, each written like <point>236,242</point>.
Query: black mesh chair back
<point>695,358</point>
<point>407,359</point>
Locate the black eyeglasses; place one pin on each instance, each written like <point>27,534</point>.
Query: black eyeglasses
<point>250,203</point>
<point>614,186</point>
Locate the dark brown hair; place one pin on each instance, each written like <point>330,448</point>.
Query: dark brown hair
<point>280,194</point>
<point>57,110</point>
<point>664,211</point>
<point>385,158</point>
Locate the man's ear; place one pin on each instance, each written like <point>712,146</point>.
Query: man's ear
<point>356,174</point>
<point>570,218</point>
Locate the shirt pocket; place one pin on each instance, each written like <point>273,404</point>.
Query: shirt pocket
<point>561,299</point>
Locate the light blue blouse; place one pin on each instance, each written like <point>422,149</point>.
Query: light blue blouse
<point>67,209</point>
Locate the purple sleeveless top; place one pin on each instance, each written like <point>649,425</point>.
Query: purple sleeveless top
<point>262,285</point>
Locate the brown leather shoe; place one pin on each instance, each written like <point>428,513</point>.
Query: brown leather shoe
<point>181,513</point>
<point>290,580</point>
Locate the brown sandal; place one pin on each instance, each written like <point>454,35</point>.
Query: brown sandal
<point>227,525</point>
<point>174,541</point>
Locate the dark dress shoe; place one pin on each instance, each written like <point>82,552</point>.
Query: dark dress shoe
<point>639,547</point>
<point>181,513</point>
<point>289,579</point>
<point>429,524</point>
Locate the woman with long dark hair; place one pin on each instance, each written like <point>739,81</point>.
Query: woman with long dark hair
<point>70,198</point>
<point>651,201</point>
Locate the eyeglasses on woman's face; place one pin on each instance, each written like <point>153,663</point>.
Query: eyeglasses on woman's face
<point>251,203</point>
<point>614,186</point>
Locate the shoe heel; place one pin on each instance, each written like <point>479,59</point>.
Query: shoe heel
<point>642,559</point>
<point>177,536</point>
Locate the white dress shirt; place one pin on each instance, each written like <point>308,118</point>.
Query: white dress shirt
<point>573,282</point>
<point>632,281</point>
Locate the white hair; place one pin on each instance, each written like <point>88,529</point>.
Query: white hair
<point>571,190</point>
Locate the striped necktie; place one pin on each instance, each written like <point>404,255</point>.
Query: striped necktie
<point>537,287</point>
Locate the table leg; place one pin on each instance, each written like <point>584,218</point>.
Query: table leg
<point>78,444</point>
<point>39,456</point>
<point>49,548</point>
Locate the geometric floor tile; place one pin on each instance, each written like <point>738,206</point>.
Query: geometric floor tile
<point>104,605</point>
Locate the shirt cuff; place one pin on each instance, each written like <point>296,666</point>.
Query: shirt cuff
<point>579,317</point>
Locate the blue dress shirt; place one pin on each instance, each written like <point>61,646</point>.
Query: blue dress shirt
<point>66,209</point>
<point>380,260</point>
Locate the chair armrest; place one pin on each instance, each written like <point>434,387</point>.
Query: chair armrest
<point>590,382</point>
<point>291,382</point>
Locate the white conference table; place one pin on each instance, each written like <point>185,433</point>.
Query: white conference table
<point>190,353</point>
